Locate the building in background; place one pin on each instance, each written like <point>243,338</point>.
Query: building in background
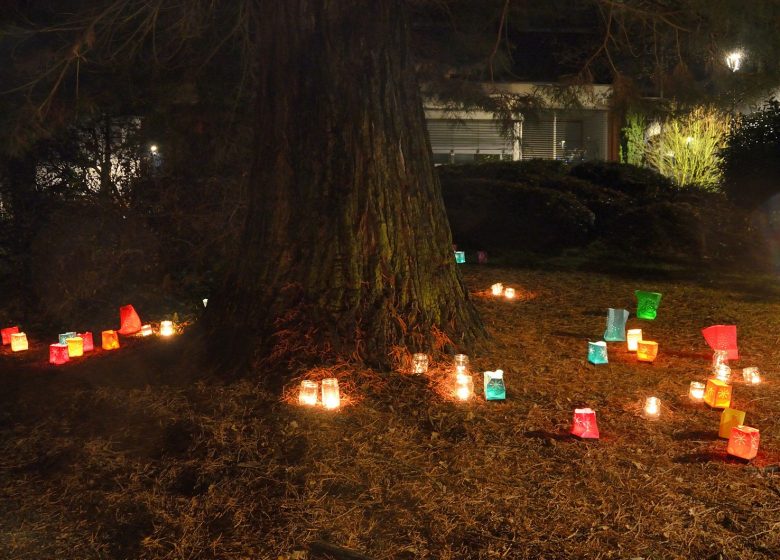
<point>578,126</point>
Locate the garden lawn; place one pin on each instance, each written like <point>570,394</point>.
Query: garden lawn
<point>120,456</point>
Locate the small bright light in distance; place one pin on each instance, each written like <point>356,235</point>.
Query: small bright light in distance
<point>153,148</point>
<point>734,60</point>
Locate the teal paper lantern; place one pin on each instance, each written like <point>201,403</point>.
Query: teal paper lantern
<point>67,335</point>
<point>616,325</point>
<point>495,390</point>
<point>647,304</point>
<point>597,352</point>
<point>460,257</point>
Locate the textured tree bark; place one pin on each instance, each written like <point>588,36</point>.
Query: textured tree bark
<point>347,251</point>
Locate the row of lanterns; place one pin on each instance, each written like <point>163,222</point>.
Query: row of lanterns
<point>73,344</point>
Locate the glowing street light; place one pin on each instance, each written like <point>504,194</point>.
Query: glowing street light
<point>734,60</point>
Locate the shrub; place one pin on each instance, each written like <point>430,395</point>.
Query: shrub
<point>629,179</point>
<point>751,158</point>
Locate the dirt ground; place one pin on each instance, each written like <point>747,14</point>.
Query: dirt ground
<point>114,456</point>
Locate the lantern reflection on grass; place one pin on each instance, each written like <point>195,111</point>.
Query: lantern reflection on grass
<point>729,418</point>
<point>743,442</point>
<point>75,346</point>
<point>330,393</point>
<point>6,334</point>
<point>18,342</point>
<point>584,423</point>
<point>58,354</point>
<point>166,328</point>
<point>717,394</point>
<point>646,350</point>
<point>597,352</point>
<point>110,340</point>
<point>652,408</point>
<point>308,394</point>
<point>633,336</point>
<point>696,392</point>
<point>419,363</point>
<point>751,375</point>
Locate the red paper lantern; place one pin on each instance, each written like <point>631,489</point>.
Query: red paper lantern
<point>722,337</point>
<point>584,423</point>
<point>89,344</point>
<point>110,340</point>
<point>743,442</point>
<point>131,322</point>
<point>58,354</point>
<point>6,334</point>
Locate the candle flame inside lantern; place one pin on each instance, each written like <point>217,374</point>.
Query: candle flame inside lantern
<point>308,394</point>
<point>330,393</point>
<point>751,375</point>
<point>633,336</point>
<point>18,342</point>
<point>463,392</point>
<point>509,293</point>
<point>696,392</point>
<point>723,372</point>
<point>166,328</point>
<point>497,289</point>
<point>652,407</point>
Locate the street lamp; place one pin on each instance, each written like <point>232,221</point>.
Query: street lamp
<point>734,60</point>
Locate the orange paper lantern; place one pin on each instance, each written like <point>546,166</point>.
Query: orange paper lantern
<point>58,353</point>
<point>743,442</point>
<point>717,394</point>
<point>110,340</point>
<point>584,423</point>
<point>18,342</point>
<point>6,334</point>
<point>646,350</point>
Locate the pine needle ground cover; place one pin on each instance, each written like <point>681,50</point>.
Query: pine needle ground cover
<point>116,457</point>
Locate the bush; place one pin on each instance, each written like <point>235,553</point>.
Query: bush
<point>629,179</point>
<point>514,171</point>
<point>751,159</point>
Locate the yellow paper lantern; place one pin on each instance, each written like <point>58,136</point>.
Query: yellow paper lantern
<point>717,394</point>
<point>646,350</point>
<point>75,346</point>
<point>166,328</point>
<point>18,342</point>
<point>729,418</point>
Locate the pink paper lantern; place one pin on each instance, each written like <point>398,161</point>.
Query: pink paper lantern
<point>722,337</point>
<point>89,343</point>
<point>6,334</point>
<point>482,257</point>
<point>584,423</point>
<point>58,354</point>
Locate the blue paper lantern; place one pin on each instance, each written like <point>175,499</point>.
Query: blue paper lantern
<point>65,336</point>
<point>597,352</point>
<point>495,390</point>
<point>460,257</point>
<point>616,325</point>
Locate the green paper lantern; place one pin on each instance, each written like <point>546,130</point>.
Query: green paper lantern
<point>647,304</point>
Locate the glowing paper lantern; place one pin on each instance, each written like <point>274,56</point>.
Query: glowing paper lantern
<point>308,394</point>
<point>18,342</point>
<point>419,363</point>
<point>6,334</point>
<point>110,340</point>
<point>751,375</point>
<point>75,346</point>
<point>146,330</point>
<point>616,325</point>
<point>65,336</point>
<point>584,423</point>
<point>722,337</point>
<point>597,352</point>
<point>729,418</point>
<point>633,336</point>
<point>166,328</point>
<point>647,304</point>
<point>330,393</point>
<point>719,358</point>
<point>58,354</point>
<point>696,392</point>
<point>493,384</point>
<point>464,388</point>
<point>723,373</point>
<point>497,289</point>
<point>460,257</point>
<point>652,407</point>
<point>205,302</point>
<point>717,394</point>
<point>461,363</point>
<point>129,320</point>
<point>509,293</point>
<point>482,257</point>
<point>743,442</point>
<point>89,344</point>
<point>646,350</point>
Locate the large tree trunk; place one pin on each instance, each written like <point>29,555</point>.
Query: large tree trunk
<point>347,250</point>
